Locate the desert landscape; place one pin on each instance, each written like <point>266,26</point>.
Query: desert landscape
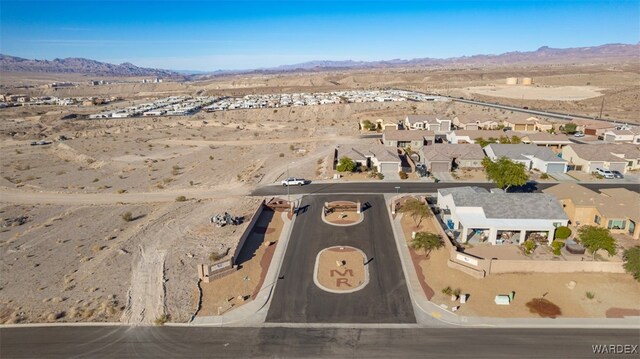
<point>108,221</point>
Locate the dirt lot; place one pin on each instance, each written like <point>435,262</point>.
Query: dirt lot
<point>238,287</point>
<point>612,292</point>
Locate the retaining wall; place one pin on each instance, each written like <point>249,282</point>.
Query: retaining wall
<point>537,266</point>
<point>247,232</point>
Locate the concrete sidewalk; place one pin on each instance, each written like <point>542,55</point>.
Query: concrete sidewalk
<point>428,313</point>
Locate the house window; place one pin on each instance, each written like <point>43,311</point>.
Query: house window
<point>617,224</point>
<point>596,219</point>
<point>630,163</point>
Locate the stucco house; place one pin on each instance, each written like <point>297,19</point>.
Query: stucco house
<point>475,122</point>
<point>617,209</point>
<point>587,158</point>
<point>497,217</point>
<point>385,159</point>
<point>522,124</point>
<point>628,134</point>
<point>470,136</point>
<point>546,139</point>
<point>594,127</point>
<point>444,157</point>
<point>430,123</point>
<point>532,156</point>
<point>406,138</point>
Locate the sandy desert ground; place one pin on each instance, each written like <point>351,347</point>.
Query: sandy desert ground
<point>73,258</point>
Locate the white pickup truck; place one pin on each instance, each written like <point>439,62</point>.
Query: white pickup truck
<point>292,181</point>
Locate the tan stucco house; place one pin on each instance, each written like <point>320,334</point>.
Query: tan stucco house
<point>617,209</point>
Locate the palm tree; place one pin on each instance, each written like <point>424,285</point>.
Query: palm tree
<point>427,242</point>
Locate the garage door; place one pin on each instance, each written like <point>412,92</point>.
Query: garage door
<point>389,167</point>
<point>555,168</point>
<point>617,167</point>
<point>440,166</point>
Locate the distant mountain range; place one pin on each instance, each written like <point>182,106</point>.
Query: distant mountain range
<point>78,66</point>
<point>543,55</point>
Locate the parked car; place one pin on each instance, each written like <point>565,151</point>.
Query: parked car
<point>292,181</point>
<point>617,174</point>
<point>578,134</point>
<point>604,173</point>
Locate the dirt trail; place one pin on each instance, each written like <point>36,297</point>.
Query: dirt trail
<point>146,296</point>
<point>15,196</point>
<point>245,142</point>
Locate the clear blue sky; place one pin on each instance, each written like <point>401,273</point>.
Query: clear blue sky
<point>210,35</point>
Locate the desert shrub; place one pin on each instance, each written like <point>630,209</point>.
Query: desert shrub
<point>346,164</point>
<point>590,295</point>
<point>95,180</point>
<point>181,199</point>
<point>127,216</point>
<point>447,291</point>
<point>556,246</point>
<point>281,154</point>
<point>544,176</point>
<point>121,191</point>
<point>215,256</point>
<point>529,246</point>
<point>563,232</point>
<point>161,320</point>
<point>631,258</point>
<point>380,176</point>
<point>403,175</point>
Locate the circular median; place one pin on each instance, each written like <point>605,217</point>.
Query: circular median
<point>341,269</point>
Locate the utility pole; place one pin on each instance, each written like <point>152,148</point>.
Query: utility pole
<point>601,107</point>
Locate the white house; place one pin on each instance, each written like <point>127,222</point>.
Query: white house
<point>430,123</point>
<point>626,134</point>
<point>497,217</point>
<point>532,156</point>
<point>385,159</point>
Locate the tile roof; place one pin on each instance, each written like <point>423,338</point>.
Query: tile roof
<point>508,205</point>
<point>603,152</point>
<point>544,137</point>
<point>447,152</point>
<point>523,151</point>
<point>381,152</point>
<point>393,134</point>
<point>612,203</point>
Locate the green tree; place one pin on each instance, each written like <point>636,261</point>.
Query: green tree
<point>427,242</point>
<point>570,128</point>
<point>504,140</point>
<point>416,209</point>
<point>482,142</point>
<point>515,140</point>
<point>368,125</point>
<point>346,164</point>
<point>505,173</point>
<point>631,264</point>
<point>594,238</point>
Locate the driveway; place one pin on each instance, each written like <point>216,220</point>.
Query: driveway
<point>385,299</point>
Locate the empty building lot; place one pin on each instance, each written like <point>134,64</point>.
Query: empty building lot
<point>385,299</point>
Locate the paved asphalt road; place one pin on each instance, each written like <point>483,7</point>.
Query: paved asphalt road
<point>531,111</point>
<point>405,187</point>
<point>191,342</point>
<point>385,299</point>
